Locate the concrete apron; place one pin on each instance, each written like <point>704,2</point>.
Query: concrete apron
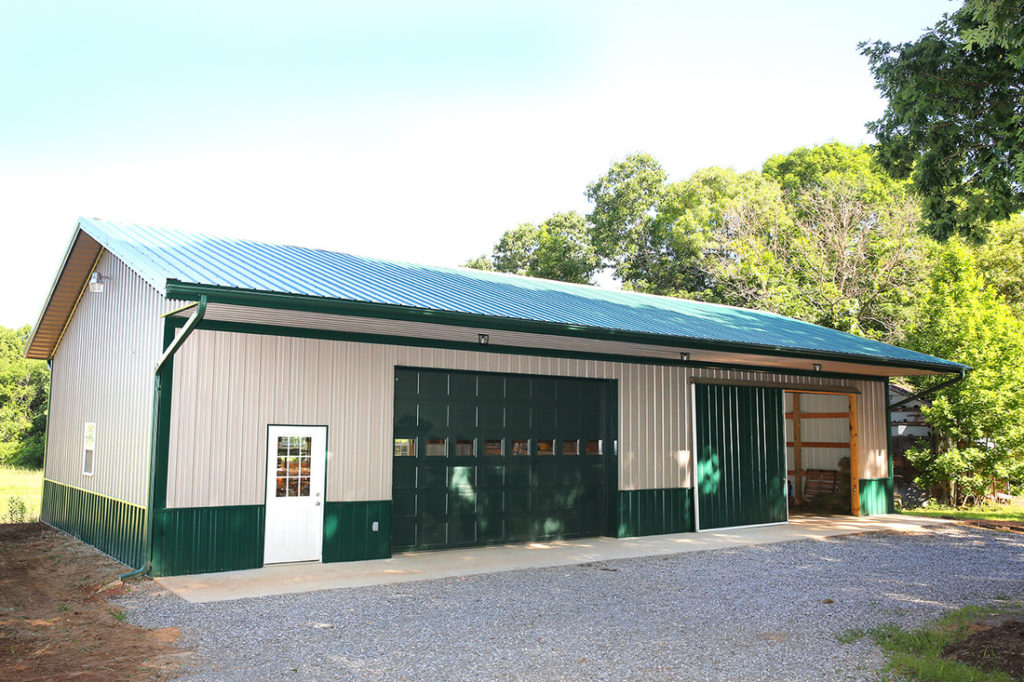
<point>401,568</point>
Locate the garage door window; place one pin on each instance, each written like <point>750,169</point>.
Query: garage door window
<point>520,447</point>
<point>492,447</point>
<point>570,447</point>
<point>545,447</point>
<point>405,447</point>
<point>437,447</point>
<point>464,447</point>
<point>593,447</point>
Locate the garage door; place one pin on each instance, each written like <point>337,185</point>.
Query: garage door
<point>483,458</point>
<point>741,456</point>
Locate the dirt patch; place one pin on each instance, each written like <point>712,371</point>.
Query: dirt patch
<point>994,524</point>
<point>992,646</point>
<point>55,618</point>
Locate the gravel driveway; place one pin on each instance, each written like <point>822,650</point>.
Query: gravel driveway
<point>760,612</point>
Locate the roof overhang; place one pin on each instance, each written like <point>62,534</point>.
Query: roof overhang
<point>701,351</point>
<point>72,278</point>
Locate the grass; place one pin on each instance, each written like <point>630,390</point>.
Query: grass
<point>26,484</point>
<point>917,654</point>
<point>1002,512</point>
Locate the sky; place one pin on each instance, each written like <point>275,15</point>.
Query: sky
<point>414,131</point>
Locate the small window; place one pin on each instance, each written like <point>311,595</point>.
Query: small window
<point>437,447</point>
<point>405,447</point>
<point>464,447</point>
<point>546,447</point>
<point>294,466</point>
<point>593,447</point>
<point>89,449</point>
<point>492,447</point>
<point>520,447</point>
<point>570,447</point>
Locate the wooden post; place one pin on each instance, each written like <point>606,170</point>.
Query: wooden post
<point>798,493</point>
<point>854,459</point>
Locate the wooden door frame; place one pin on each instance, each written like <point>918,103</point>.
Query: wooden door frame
<point>854,447</point>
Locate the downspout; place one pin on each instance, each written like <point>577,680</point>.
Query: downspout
<point>190,325</point>
<point>933,389</point>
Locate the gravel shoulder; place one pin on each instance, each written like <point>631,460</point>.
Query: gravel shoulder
<point>759,612</point>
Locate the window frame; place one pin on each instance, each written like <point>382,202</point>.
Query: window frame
<point>86,450</point>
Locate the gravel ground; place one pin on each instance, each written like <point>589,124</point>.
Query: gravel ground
<point>762,612</point>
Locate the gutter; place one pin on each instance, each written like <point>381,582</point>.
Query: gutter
<point>933,389</point>
<point>190,325</point>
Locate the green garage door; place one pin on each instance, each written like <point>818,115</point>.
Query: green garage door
<point>486,458</point>
<point>741,456</point>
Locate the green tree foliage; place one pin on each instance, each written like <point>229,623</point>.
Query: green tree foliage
<point>559,248</point>
<point>844,262</point>
<point>24,396</point>
<point>1001,258</point>
<point>834,163</point>
<point>954,121</point>
<point>822,234</point>
<point>980,420</point>
<point>625,229</point>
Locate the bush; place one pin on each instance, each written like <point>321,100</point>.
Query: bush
<point>25,455</point>
<point>17,511</point>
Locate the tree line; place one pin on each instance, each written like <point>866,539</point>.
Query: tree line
<point>24,400</point>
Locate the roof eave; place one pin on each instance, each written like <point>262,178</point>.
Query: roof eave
<point>218,294</point>
<point>31,351</point>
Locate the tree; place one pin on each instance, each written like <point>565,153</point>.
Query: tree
<point>1001,258</point>
<point>559,248</point>
<point>980,420</point>
<point>843,262</point>
<point>807,168</point>
<point>954,120</point>
<point>701,227</point>
<point>24,397</point>
<point>822,234</point>
<point>626,201</point>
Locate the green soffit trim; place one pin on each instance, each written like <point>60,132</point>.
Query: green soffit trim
<point>244,272</point>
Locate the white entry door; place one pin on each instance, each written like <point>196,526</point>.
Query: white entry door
<point>295,493</point>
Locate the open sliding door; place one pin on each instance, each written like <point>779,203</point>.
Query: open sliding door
<point>741,456</point>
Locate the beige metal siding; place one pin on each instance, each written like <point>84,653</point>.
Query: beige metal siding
<point>103,373</point>
<point>871,429</point>
<point>230,386</point>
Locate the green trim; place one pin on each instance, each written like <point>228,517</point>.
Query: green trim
<point>112,526</point>
<point>329,335</point>
<point>90,492</point>
<point>655,512</point>
<point>612,497</point>
<point>263,299</point>
<point>164,394</point>
<point>891,502</point>
<point>875,496</point>
<point>207,539</point>
<point>348,532</point>
<point>49,399</point>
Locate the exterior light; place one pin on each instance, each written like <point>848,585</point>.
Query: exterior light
<point>685,357</point>
<point>96,282</point>
<point>817,367</point>
<point>484,339</point>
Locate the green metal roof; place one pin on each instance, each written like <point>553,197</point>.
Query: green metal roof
<point>176,263</point>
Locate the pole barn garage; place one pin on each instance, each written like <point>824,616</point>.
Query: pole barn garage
<point>221,404</point>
